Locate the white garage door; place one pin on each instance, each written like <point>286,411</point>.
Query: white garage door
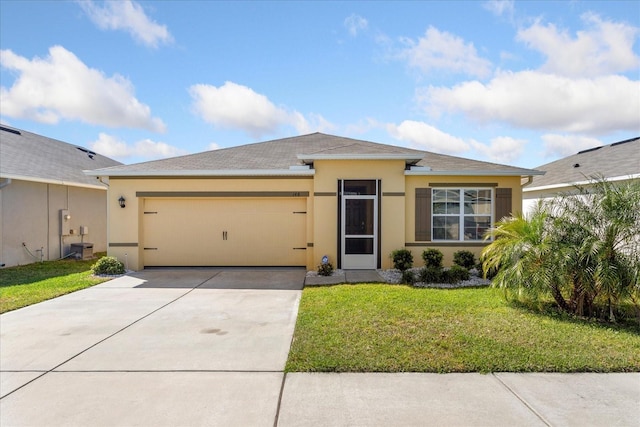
<point>224,232</point>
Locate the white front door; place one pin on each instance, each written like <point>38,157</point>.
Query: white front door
<point>359,224</point>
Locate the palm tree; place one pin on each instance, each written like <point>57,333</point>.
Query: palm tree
<point>583,248</point>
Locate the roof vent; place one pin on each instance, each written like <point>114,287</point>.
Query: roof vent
<point>589,149</point>
<point>625,141</point>
<point>17,132</point>
<point>576,165</point>
<point>89,153</point>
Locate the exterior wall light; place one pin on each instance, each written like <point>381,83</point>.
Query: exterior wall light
<point>121,200</point>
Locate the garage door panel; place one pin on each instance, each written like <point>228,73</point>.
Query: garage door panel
<point>224,232</point>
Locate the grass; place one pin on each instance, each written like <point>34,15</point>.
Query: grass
<point>391,328</point>
<point>29,284</point>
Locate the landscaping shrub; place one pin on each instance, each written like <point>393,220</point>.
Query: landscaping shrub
<point>455,274</point>
<point>402,259</point>
<point>464,259</point>
<point>108,265</point>
<point>432,258</point>
<point>430,274</point>
<point>325,269</point>
<point>408,277</point>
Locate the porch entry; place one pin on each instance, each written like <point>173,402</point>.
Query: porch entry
<point>359,224</point>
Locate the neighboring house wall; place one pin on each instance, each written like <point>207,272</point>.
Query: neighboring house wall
<point>30,214</point>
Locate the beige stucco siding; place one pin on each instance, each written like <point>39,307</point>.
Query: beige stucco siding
<point>391,214</point>
<point>127,234</point>
<point>448,249</point>
<point>30,213</point>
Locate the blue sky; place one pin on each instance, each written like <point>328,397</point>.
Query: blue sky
<point>520,83</point>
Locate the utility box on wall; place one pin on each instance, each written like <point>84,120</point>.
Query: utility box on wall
<point>65,222</point>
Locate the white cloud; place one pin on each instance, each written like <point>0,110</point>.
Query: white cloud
<point>213,146</point>
<point>440,50</point>
<point>500,7</point>
<point>502,149</point>
<point>355,23</point>
<point>128,16</point>
<point>536,100</point>
<point>239,107</point>
<point>565,145</point>
<point>115,148</point>
<point>604,47</point>
<point>426,137</point>
<point>61,86</point>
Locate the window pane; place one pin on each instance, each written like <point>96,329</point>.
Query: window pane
<point>439,208</point>
<point>360,187</point>
<point>475,227</point>
<point>439,196</point>
<point>446,228</point>
<point>358,246</point>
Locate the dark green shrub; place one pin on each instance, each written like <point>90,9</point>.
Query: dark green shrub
<point>402,259</point>
<point>464,259</point>
<point>455,274</point>
<point>431,274</point>
<point>432,258</point>
<point>408,277</point>
<point>325,269</point>
<point>108,265</point>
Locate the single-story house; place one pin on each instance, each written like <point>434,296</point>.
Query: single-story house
<point>619,161</point>
<point>291,201</point>
<point>47,203</point>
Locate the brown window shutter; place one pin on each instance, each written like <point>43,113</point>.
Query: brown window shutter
<point>503,203</point>
<point>423,214</point>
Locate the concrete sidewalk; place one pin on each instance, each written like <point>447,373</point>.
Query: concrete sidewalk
<point>208,347</point>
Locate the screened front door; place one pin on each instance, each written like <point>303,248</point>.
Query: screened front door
<point>359,221</point>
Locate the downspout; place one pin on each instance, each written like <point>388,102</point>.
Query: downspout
<point>529,181</point>
<point>5,183</point>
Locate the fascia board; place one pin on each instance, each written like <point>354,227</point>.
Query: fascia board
<point>53,181</point>
<point>204,172</point>
<point>570,185</point>
<point>311,157</point>
<point>524,172</point>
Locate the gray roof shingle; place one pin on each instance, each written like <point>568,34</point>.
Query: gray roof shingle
<point>620,159</point>
<point>28,156</point>
<point>280,154</point>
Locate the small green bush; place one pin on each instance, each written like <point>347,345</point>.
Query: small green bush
<point>430,274</point>
<point>432,258</point>
<point>408,277</point>
<point>464,259</point>
<point>402,259</point>
<point>108,265</point>
<point>325,269</point>
<point>455,274</point>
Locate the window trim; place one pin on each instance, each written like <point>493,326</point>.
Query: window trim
<point>461,215</point>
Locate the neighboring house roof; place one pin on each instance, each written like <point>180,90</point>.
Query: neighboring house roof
<point>620,160</point>
<point>31,157</point>
<point>291,156</point>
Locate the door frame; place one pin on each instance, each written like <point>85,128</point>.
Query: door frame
<point>375,258</point>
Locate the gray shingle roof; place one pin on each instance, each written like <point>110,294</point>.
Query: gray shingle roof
<point>28,156</point>
<point>620,159</point>
<point>280,154</point>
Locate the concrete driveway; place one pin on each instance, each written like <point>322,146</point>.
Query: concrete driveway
<point>207,347</point>
<point>158,347</point>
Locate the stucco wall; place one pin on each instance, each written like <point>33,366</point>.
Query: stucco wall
<point>391,214</point>
<point>30,213</point>
<point>125,227</point>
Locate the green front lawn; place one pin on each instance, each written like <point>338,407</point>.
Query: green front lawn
<point>392,328</point>
<point>28,284</point>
